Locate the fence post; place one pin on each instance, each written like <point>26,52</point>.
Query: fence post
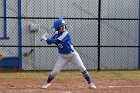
<point>19,36</point>
<point>99,24</point>
<point>139,39</point>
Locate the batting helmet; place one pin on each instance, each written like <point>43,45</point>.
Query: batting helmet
<point>58,23</point>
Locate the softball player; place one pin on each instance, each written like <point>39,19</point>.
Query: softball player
<point>67,53</point>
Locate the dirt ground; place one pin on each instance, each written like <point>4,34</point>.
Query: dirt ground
<point>68,85</point>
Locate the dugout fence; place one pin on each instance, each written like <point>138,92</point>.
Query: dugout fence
<point>105,33</point>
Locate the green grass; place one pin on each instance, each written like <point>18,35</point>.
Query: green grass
<point>114,75</point>
<point>118,75</point>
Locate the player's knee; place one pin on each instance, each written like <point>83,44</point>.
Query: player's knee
<point>82,68</point>
<point>53,73</point>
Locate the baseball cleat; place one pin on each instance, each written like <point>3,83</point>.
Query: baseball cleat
<point>92,86</point>
<point>45,85</point>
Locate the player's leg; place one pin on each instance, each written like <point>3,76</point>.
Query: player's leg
<point>76,60</point>
<point>61,62</point>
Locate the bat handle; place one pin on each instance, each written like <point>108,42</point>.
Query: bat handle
<point>41,40</point>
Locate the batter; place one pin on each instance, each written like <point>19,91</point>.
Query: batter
<point>67,53</point>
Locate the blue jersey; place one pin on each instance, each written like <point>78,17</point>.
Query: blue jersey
<point>63,42</point>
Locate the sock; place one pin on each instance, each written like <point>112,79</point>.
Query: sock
<point>50,78</point>
<point>86,76</point>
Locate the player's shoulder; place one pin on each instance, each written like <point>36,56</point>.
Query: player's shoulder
<point>66,32</point>
<point>63,35</point>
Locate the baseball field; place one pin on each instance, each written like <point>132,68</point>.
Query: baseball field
<point>70,82</point>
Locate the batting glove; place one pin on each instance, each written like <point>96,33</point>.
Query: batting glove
<point>44,38</point>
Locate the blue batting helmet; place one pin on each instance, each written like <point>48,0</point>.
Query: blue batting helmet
<point>58,23</point>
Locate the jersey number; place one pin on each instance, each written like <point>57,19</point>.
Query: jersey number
<point>60,45</point>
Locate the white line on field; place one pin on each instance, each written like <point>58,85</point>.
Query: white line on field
<point>53,91</point>
<point>138,86</point>
<point>34,90</point>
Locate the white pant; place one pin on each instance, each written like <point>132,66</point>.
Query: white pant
<point>63,59</point>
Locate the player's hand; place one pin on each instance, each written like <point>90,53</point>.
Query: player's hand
<point>44,37</point>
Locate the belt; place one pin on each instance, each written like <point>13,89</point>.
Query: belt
<point>66,53</point>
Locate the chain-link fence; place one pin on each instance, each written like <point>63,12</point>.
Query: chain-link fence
<point>105,32</point>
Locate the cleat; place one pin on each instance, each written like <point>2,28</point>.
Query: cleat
<point>92,86</point>
<point>45,85</point>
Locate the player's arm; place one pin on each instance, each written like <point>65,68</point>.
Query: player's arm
<point>49,41</point>
<point>58,40</point>
<point>52,39</point>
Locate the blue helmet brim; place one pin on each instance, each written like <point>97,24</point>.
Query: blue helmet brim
<point>52,27</point>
